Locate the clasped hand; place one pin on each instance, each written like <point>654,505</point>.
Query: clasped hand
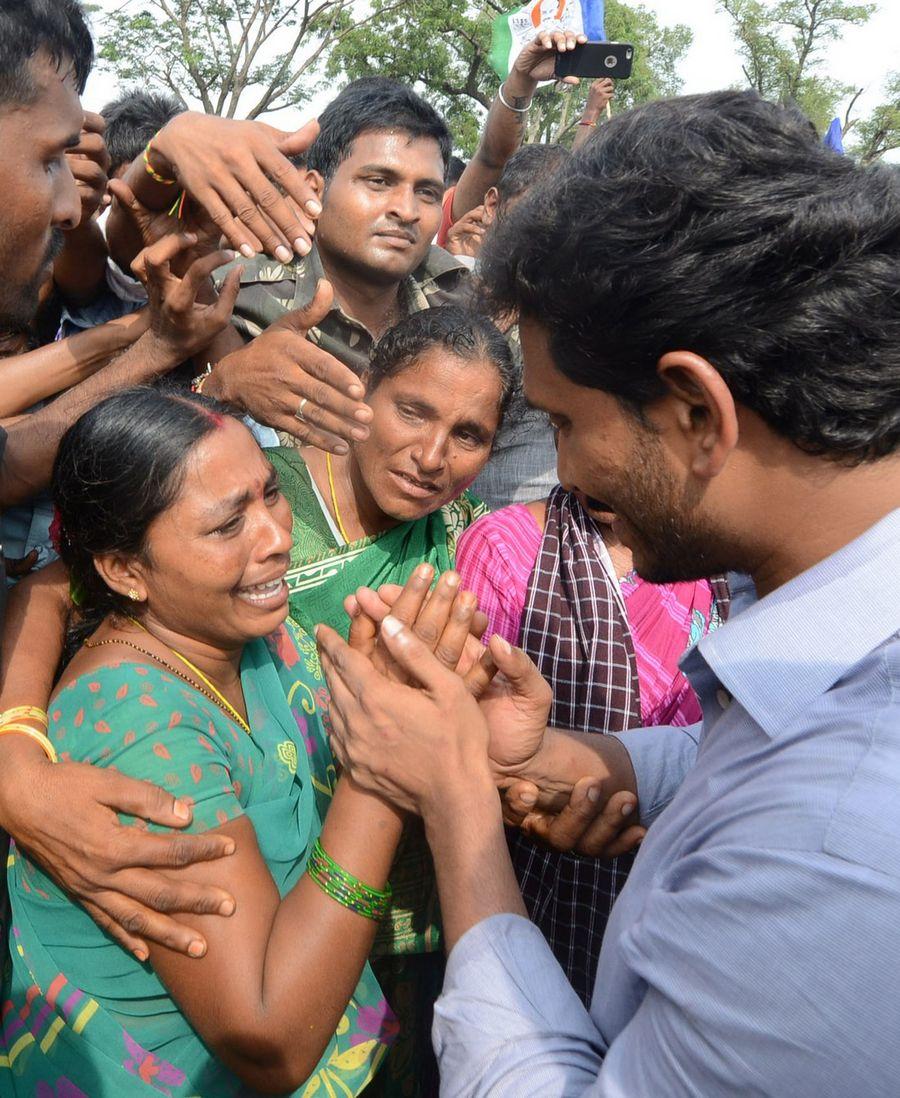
<point>419,706</point>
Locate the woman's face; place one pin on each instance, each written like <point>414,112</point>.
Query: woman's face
<point>216,559</point>
<point>431,434</point>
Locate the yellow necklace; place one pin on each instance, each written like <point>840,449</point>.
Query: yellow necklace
<point>334,502</point>
<point>212,692</point>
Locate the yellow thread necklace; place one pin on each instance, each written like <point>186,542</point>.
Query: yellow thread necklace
<point>334,502</point>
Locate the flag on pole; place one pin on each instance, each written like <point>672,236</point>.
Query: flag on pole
<point>833,138</point>
<point>513,30</point>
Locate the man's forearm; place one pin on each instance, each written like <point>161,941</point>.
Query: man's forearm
<point>32,443</point>
<point>474,874</point>
<point>42,373</point>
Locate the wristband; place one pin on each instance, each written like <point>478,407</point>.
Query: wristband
<point>150,171</point>
<point>509,106</point>
<point>344,888</point>
<point>591,125</point>
<point>33,734</point>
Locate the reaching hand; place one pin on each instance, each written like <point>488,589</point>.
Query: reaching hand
<point>180,324</point>
<point>537,61</point>
<point>65,817</point>
<point>89,162</point>
<point>402,742</point>
<point>153,225</point>
<point>601,92</point>
<point>285,381</point>
<point>237,171</point>
<point>466,236</point>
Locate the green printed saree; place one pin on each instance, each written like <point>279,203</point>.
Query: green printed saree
<point>81,1017</point>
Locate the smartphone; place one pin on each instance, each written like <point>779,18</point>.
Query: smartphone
<point>595,59</point>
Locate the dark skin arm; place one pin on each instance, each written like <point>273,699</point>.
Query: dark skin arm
<point>36,375</point>
<point>505,128</point>
<point>179,326</point>
<point>278,975</point>
<point>65,816</point>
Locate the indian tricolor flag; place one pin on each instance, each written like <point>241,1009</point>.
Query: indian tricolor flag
<point>516,28</point>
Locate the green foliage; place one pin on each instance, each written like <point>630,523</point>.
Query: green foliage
<point>442,46</point>
<point>782,42</point>
<point>880,132</point>
<point>237,57</point>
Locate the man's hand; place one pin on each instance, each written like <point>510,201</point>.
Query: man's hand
<point>152,225</point>
<point>89,162</point>
<point>285,381</point>
<point>64,816</point>
<point>601,93</point>
<point>537,61</point>
<point>180,323</point>
<point>591,822</point>
<point>403,742</point>
<point>239,170</point>
<point>466,236</point>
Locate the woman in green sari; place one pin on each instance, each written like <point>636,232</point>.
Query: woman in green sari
<point>438,385</point>
<point>178,540</point>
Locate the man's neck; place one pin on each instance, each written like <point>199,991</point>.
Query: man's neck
<point>815,510</point>
<point>376,305</point>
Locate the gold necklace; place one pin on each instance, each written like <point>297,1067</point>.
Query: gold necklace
<point>213,693</point>
<point>334,502</point>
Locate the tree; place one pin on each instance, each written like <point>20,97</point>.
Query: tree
<point>782,44</point>
<point>880,132</point>
<point>237,57</point>
<point>442,46</point>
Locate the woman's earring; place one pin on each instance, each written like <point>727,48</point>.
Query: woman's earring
<point>133,595</point>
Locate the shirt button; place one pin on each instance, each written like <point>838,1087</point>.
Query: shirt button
<point>723,698</point>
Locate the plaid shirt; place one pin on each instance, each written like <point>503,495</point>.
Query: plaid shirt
<point>270,289</point>
<point>575,628</point>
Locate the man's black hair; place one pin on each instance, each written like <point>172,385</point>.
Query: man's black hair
<point>373,103</point>
<point>527,166</point>
<point>719,224</point>
<point>454,171</point>
<point>132,120</point>
<point>56,28</point>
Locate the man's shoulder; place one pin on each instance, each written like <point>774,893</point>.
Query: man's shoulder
<point>441,277</point>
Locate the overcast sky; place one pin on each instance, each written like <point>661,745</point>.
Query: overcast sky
<point>863,58</point>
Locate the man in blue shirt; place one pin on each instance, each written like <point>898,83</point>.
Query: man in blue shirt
<point>709,315</point>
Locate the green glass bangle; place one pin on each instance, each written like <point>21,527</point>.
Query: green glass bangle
<point>344,888</point>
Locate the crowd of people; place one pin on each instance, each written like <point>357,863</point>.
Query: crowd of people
<point>452,628</point>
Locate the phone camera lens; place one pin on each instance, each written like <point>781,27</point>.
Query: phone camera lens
<point>609,61</point>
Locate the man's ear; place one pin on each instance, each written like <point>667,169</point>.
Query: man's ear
<point>316,181</point>
<point>705,411</point>
<point>121,574</point>
<point>491,205</point>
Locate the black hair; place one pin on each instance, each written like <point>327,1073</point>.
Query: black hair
<point>719,224</point>
<point>527,166</point>
<point>454,170</point>
<point>467,334</point>
<point>118,468</point>
<point>28,27</point>
<point>378,104</point>
<point>133,120</point>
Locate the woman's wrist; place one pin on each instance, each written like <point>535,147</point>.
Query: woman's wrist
<point>21,760</point>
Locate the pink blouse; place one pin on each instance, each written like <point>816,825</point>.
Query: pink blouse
<point>495,558</point>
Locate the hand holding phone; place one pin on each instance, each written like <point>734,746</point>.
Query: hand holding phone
<point>595,59</point>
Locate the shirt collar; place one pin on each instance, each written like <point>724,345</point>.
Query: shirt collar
<point>785,651</point>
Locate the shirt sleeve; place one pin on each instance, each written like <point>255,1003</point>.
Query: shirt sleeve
<point>662,757</point>
<point>148,725</point>
<point>446,217</point>
<point>736,975</point>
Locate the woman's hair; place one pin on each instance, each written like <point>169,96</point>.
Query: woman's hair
<point>463,333</point>
<point>118,468</point>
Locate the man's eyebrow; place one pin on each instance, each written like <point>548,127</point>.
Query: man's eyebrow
<point>393,173</point>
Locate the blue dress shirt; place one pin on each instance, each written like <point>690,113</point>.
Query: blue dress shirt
<point>754,949</point>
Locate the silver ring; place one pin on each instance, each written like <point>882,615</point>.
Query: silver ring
<point>299,413</point>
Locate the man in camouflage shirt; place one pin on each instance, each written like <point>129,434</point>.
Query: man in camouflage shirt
<point>380,162</point>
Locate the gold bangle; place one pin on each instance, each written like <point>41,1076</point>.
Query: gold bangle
<point>32,733</point>
<point>150,171</point>
<point>26,711</point>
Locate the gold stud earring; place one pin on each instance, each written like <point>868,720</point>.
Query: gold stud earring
<point>133,595</point>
